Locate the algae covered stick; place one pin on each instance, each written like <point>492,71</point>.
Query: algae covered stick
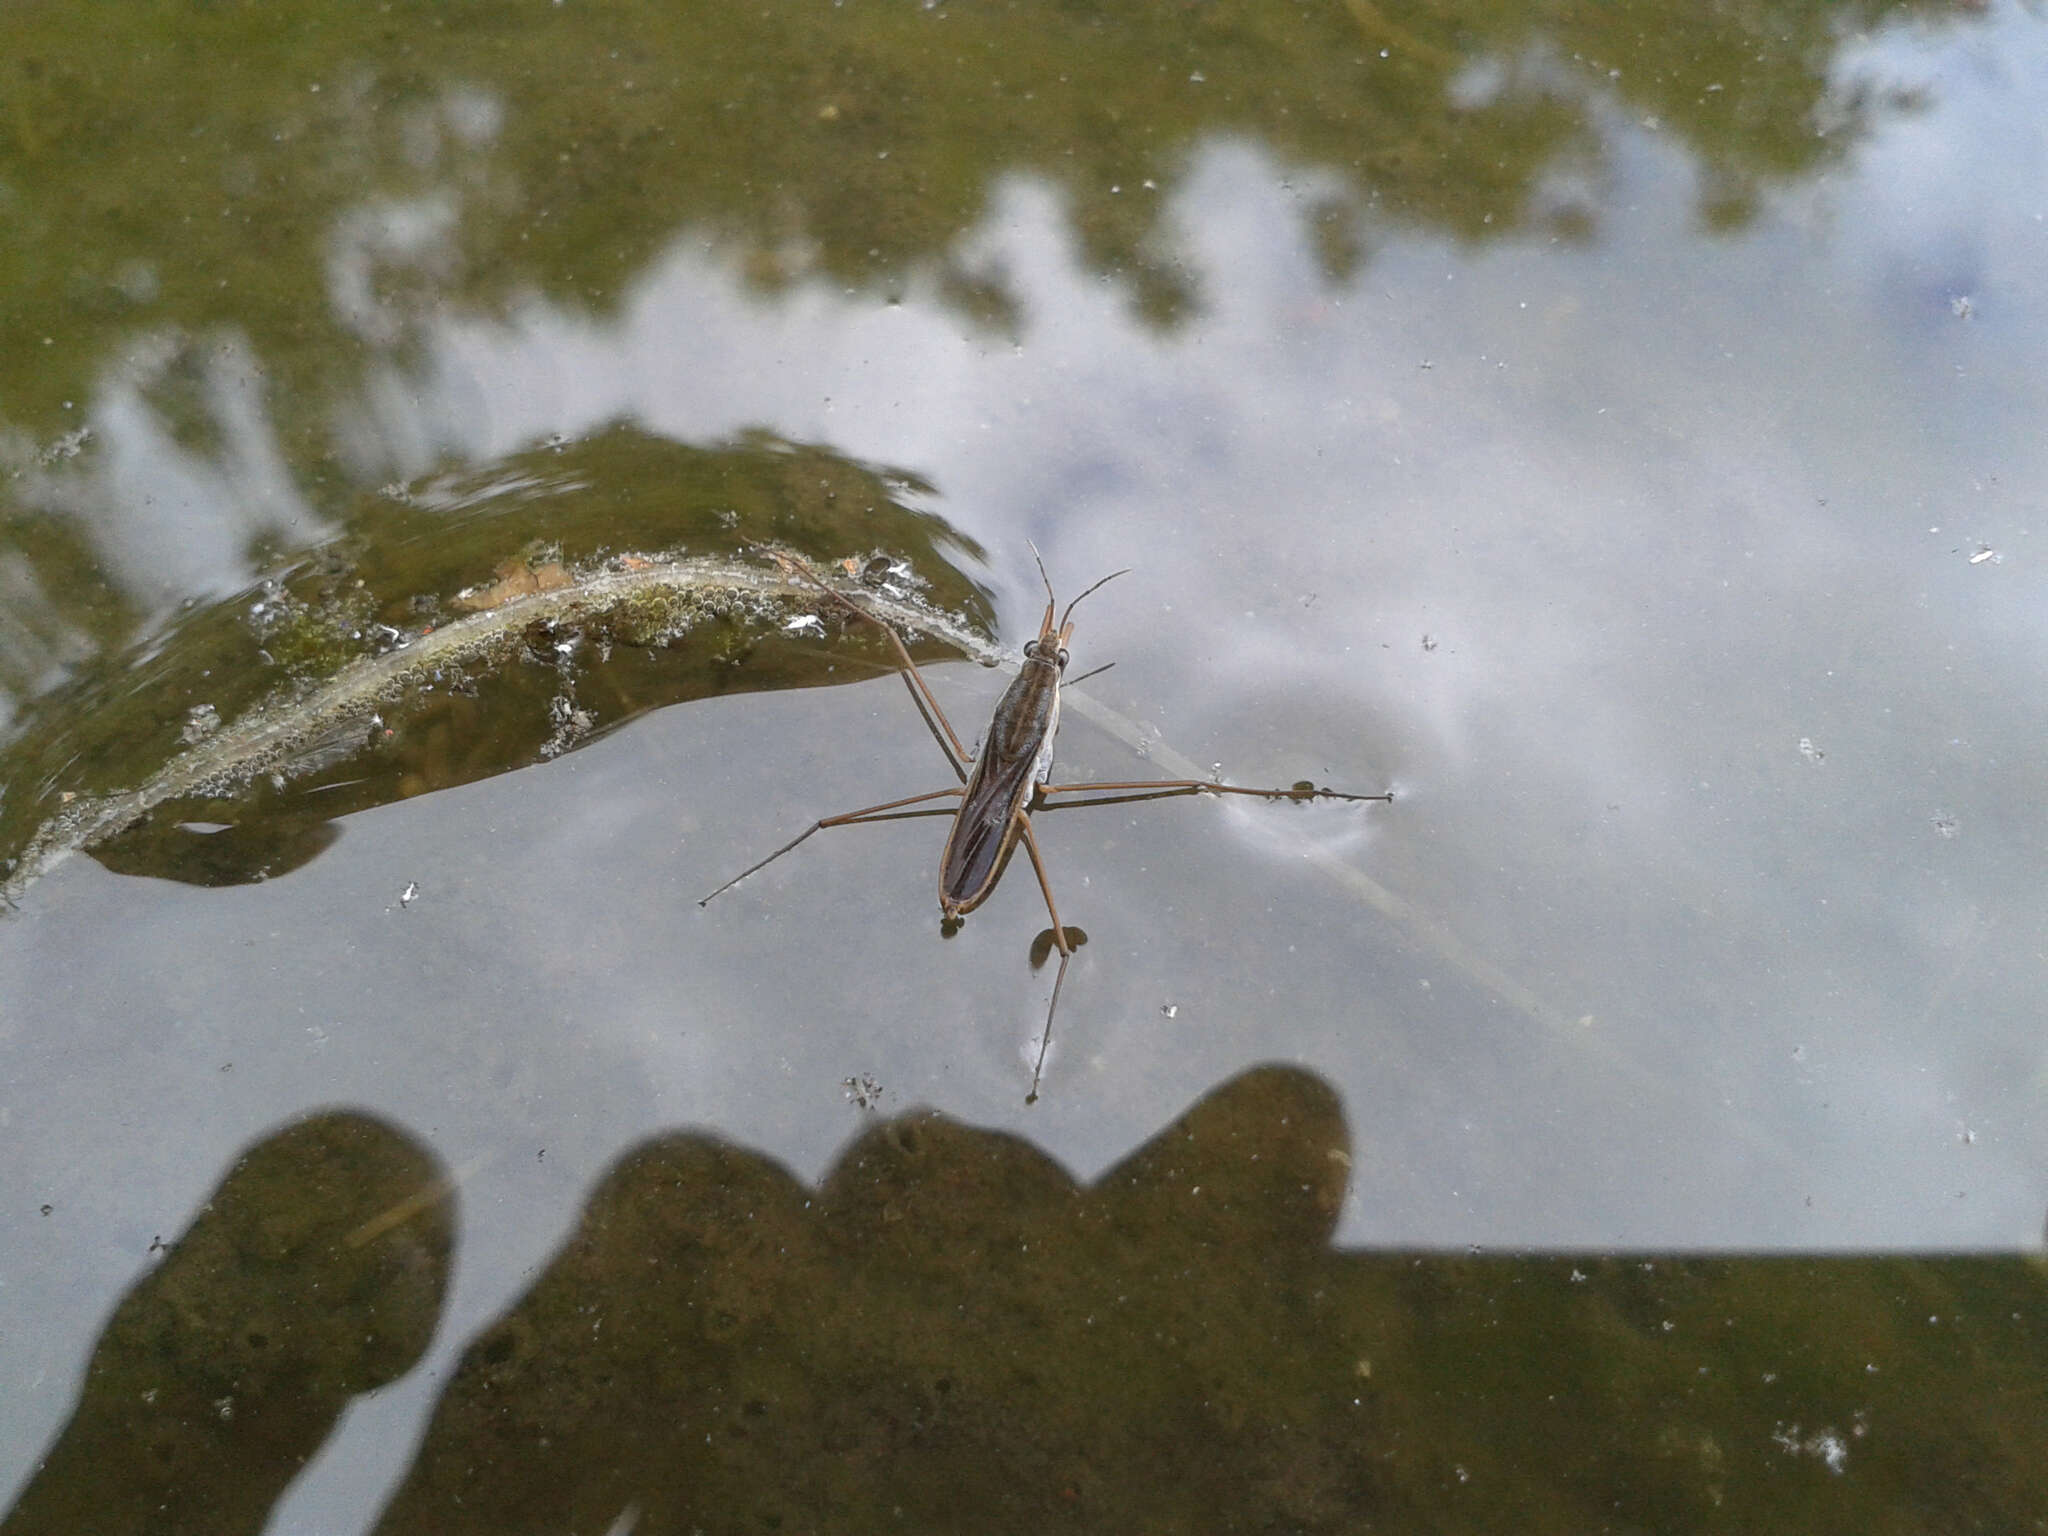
<point>1009,780</point>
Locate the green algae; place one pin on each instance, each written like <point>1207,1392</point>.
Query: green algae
<point>613,576</point>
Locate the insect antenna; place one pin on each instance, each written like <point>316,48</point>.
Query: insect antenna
<point>1044,624</point>
<point>1067,617</point>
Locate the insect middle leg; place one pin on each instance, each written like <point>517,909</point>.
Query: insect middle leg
<point>1149,789</point>
<point>920,691</point>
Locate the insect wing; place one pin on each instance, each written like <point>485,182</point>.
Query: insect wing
<point>984,829</point>
<point>1018,751</point>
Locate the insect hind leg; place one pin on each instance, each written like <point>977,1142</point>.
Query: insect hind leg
<point>845,819</point>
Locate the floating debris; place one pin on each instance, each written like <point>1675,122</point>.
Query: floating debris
<point>886,573</point>
<point>1810,752</point>
<point>411,892</point>
<point>201,721</point>
<point>571,724</point>
<point>516,578</point>
<point>863,1092</point>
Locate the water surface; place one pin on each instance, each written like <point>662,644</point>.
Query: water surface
<point>1616,433</point>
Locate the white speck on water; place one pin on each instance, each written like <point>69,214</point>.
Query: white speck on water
<point>412,889</point>
<point>69,446</point>
<point>1986,553</point>
<point>1810,752</point>
<point>1826,1445</point>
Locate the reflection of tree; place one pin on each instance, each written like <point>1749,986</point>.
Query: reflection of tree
<point>292,188</point>
<point>225,168</point>
<point>949,1334</point>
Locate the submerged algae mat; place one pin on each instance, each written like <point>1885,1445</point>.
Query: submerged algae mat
<point>642,601</point>
<point>466,625</point>
<point>949,1334</point>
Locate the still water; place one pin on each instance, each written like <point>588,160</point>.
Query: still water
<point>1617,433</point>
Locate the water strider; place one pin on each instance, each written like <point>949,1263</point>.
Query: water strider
<point>1000,788</point>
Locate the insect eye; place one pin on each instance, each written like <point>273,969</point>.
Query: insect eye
<point>1030,648</point>
<point>1063,658</point>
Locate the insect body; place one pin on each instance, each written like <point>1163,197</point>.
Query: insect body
<point>1010,779</point>
<point>1014,765</point>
